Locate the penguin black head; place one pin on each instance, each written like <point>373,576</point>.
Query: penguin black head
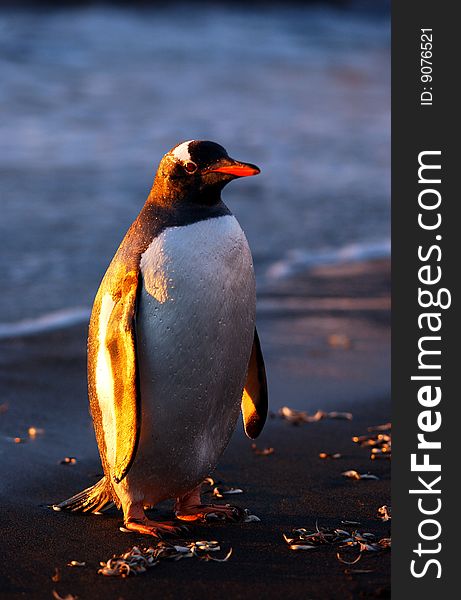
<point>196,171</point>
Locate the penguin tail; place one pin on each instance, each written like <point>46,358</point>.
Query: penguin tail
<point>96,498</point>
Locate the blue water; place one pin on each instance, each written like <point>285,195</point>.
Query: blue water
<point>92,97</point>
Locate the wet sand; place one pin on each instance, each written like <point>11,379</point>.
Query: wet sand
<point>43,384</point>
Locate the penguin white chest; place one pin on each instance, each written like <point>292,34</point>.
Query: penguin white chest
<point>195,327</point>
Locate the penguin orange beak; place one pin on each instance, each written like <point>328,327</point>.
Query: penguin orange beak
<point>237,168</point>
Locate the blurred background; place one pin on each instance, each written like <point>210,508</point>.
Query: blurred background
<point>93,95</point>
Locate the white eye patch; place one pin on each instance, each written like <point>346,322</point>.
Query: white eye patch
<point>181,152</point>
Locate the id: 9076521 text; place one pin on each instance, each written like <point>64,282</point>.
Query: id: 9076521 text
<point>426,67</point>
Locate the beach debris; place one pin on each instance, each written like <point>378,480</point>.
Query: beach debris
<point>339,340</point>
<point>364,542</point>
<point>380,444</point>
<point>384,513</point>
<point>384,427</point>
<point>219,490</point>
<point>378,440</point>
<point>249,518</point>
<point>344,541</point>
<point>348,562</point>
<point>138,560</point>
<point>68,460</point>
<point>302,547</point>
<point>33,432</point>
<point>16,440</point>
<point>358,571</point>
<point>222,490</point>
<point>343,416</point>
<point>66,597</point>
<point>324,455</point>
<point>377,453</point>
<point>56,575</point>
<point>355,475</point>
<point>262,451</point>
<point>297,417</point>
<point>304,539</point>
<point>76,563</point>
<point>372,440</point>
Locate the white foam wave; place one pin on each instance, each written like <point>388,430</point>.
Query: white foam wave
<point>295,261</point>
<point>58,319</point>
<point>298,261</point>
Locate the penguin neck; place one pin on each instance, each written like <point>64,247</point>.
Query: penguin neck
<point>165,193</point>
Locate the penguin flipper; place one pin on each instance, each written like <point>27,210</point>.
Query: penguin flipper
<point>254,398</point>
<point>120,343</point>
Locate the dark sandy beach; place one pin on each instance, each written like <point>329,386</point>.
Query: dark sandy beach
<point>43,385</point>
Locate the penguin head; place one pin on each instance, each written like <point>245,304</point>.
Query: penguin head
<point>196,171</point>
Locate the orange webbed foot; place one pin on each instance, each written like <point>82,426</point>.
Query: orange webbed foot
<point>210,512</point>
<point>156,529</point>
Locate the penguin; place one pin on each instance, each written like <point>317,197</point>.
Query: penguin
<point>173,351</point>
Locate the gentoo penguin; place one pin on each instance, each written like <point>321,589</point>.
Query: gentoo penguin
<point>173,353</point>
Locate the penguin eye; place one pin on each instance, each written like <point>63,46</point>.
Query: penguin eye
<point>190,167</point>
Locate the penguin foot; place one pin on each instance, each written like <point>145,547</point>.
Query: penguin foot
<point>147,527</point>
<point>189,507</point>
<point>210,512</point>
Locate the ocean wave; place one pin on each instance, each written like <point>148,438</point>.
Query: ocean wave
<point>295,262</point>
<point>58,319</point>
<point>300,260</point>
